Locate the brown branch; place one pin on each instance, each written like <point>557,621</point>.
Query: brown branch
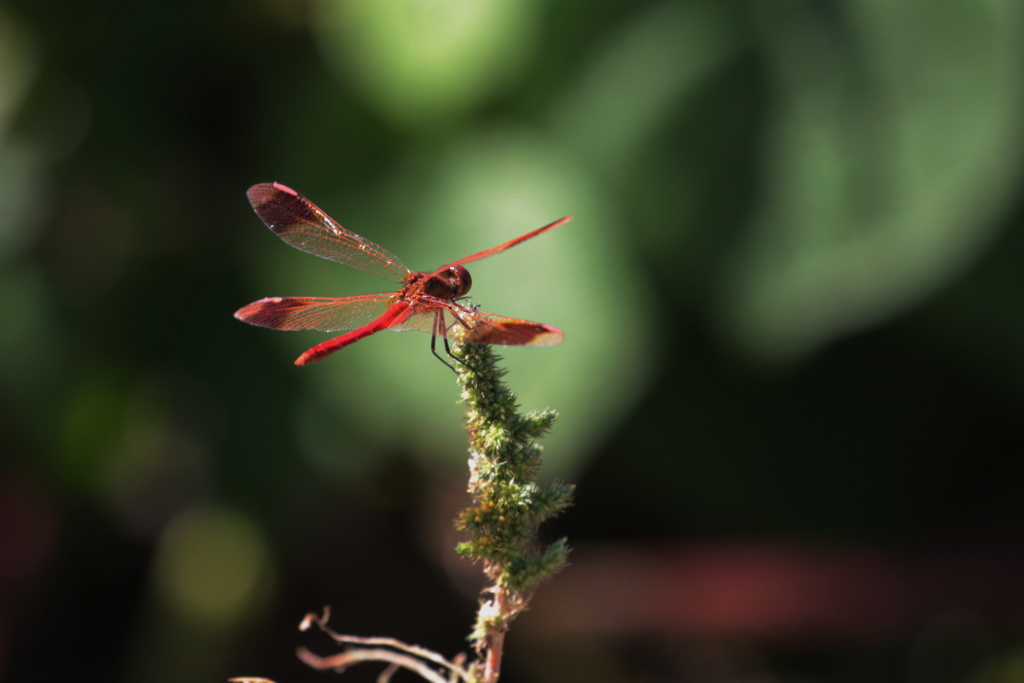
<point>387,673</point>
<point>492,647</point>
<point>343,660</point>
<point>381,650</point>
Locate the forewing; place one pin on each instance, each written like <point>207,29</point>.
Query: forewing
<point>302,224</point>
<point>313,313</point>
<point>511,243</point>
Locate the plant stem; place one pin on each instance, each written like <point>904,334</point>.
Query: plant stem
<point>508,505</point>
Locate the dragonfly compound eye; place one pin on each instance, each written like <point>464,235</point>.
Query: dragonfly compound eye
<point>461,280</point>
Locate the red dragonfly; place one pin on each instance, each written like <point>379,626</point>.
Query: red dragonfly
<point>428,302</point>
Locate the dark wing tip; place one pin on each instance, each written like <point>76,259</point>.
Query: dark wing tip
<point>263,193</point>
<point>264,313</point>
<point>547,336</point>
<point>280,207</point>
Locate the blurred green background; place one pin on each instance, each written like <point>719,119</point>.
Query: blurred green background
<point>792,386</point>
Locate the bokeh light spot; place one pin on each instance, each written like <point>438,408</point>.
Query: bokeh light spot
<point>211,565</point>
<point>426,61</point>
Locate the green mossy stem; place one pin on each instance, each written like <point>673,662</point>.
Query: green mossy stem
<point>508,504</point>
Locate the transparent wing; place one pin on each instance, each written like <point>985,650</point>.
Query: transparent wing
<point>313,313</point>
<point>300,223</point>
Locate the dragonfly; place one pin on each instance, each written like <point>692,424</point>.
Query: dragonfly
<point>426,301</point>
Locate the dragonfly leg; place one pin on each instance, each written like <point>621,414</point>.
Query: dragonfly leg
<point>438,331</point>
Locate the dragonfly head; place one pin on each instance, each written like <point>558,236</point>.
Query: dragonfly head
<point>462,277</point>
<point>448,283</point>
